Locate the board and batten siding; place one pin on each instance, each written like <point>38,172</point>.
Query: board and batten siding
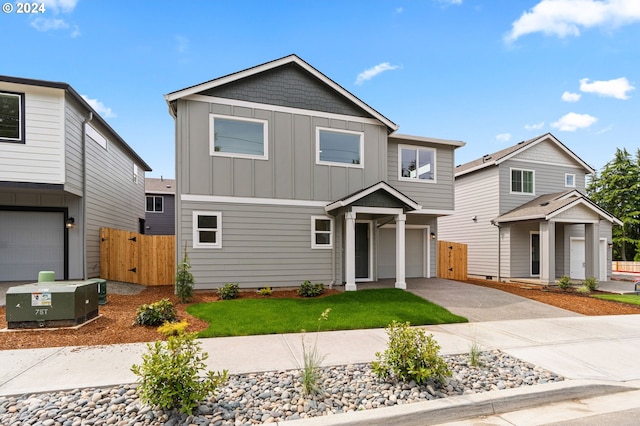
<point>41,158</point>
<point>262,246</point>
<point>476,195</point>
<point>289,172</point>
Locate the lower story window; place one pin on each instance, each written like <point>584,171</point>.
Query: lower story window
<point>321,232</point>
<point>207,229</point>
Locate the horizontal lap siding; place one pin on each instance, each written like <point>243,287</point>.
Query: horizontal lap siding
<point>261,246</point>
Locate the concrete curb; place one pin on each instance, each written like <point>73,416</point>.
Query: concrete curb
<point>469,406</point>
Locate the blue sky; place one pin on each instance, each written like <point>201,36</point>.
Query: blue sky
<point>487,72</point>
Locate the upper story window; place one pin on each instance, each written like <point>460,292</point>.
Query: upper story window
<point>339,147</point>
<point>570,180</point>
<point>522,181</point>
<point>417,163</point>
<point>207,229</point>
<point>155,204</point>
<point>321,232</point>
<point>239,137</point>
<point>11,117</point>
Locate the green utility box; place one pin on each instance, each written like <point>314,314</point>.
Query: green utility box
<point>102,290</point>
<point>51,304</point>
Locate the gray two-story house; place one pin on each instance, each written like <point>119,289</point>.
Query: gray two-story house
<point>64,174</point>
<point>282,176</point>
<point>523,213</point>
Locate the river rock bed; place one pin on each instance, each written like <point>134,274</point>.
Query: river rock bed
<point>271,397</point>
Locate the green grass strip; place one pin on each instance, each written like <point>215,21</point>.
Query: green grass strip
<point>374,308</point>
<point>631,299</point>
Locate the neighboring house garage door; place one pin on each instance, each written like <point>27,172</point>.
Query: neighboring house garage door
<point>31,242</point>
<point>416,255</point>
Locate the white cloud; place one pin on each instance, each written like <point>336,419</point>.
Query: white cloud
<point>100,108</point>
<point>399,10</point>
<point>573,121</point>
<point>564,18</point>
<point>617,88</point>
<point>56,7</point>
<point>448,2</point>
<point>571,97</point>
<point>536,126</point>
<point>503,137</point>
<point>48,24</point>
<point>372,72</point>
<point>60,6</point>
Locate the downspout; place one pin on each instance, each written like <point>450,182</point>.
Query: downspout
<point>499,251</point>
<point>84,194</point>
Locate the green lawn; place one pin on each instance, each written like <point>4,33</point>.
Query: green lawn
<point>349,310</point>
<point>631,299</point>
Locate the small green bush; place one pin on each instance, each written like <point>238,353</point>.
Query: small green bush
<point>591,283</point>
<point>229,291</point>
<point>583,289</point>
<point>173,328</point>
<point>564,283</point>
<point>410,355</point>
<point>307,289</point>
<point>184,279</point>
<point>170,376</point>
<point>265,291</point>
<point>156,313</point>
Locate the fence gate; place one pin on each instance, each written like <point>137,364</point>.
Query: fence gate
<point>452,260</point>
<point>136,258</point>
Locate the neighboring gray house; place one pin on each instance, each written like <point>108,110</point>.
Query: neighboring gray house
<point>523,213</point>
<point>64,173</point>
<point>284,176</point>
<point>160,210</point>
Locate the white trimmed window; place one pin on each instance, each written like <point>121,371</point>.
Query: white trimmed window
<point>207,229</point>
<point>12,117</point>
<point>155,204</point>
<point>416,163</point>
<point>136,173</point>
<point>570,180</point>
<point>321,232</point>
<point>522,181</point>
<point>339,147</point>
<point>239,137</point>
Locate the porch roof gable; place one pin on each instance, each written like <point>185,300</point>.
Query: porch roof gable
<point>363,193</point>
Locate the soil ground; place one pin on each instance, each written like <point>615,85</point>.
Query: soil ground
<point>115,323</point>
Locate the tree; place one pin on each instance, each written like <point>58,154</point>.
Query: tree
<point>616,188</point>
<point>184,279</point>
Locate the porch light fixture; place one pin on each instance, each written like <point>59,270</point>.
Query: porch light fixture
<point>70,223</point>
<point>433,236</point>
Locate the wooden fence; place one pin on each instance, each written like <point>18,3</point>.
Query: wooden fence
<point>452,260</point>
<point>136,258</point>
<point>625,266</point>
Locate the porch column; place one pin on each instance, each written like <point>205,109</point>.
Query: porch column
<point>400,247</point>
<point>592,250</point>
<point>548,252</point>
<point>350,252</point>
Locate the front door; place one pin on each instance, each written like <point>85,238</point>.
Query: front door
<point>535,254</point>
<point>363,251</point>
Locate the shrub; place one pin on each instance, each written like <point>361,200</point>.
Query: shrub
<point>265,291</point>
<point>307,289</point>
<point>170,376</point>
<point>184,279</point>
<point>173,328</point>
<point>591,283</point>
<point>229,291</point>
<point>410,355</point>
<point>156,313</point>
<point>475,355</point>
<point>310,371</point>
<point>583,289</point>
<point>564,283</point>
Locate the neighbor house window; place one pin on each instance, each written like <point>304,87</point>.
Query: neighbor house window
<point>522,181</point>
<point>339,147</point>
<point>155,204</point>
<point>570,180</point>
<point>321,232</point>
<point>417,163</point>
<point>207,229</point>
<point>239,137</point>
<point>11,117</point>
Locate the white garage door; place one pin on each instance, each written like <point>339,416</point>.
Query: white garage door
<point>415,253</point>
<point>31,242</point>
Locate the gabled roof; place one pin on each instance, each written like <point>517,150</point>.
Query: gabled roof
<point>192,90</point>
<point>546,207</point>
<point>71,91</point>
<point>501,156</point>
<point>380,186</point>
<point>159,186</point>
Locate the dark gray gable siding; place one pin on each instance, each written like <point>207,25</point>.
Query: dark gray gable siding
<point>289,86</point>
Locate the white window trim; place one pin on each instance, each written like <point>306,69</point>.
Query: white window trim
<point>416,148</point>
<point>335,163</point>
<point>573,177</point>
<point>265,135</point>
<point>511,191</point>
<point>314,245</point>
<point>195,236</point>
<point>21,117</point>
<point>154,204</point>
<point>136,173</point>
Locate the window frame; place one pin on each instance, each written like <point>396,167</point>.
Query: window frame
<point>573,180</point>
<point>533,181</point>
<point>265,137</point>
<point>359,165</point>
<point>154,203</point>
<point>314,232</point>
<point>196,243</point>
<point>21,118</point>
<point>417,149</point>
